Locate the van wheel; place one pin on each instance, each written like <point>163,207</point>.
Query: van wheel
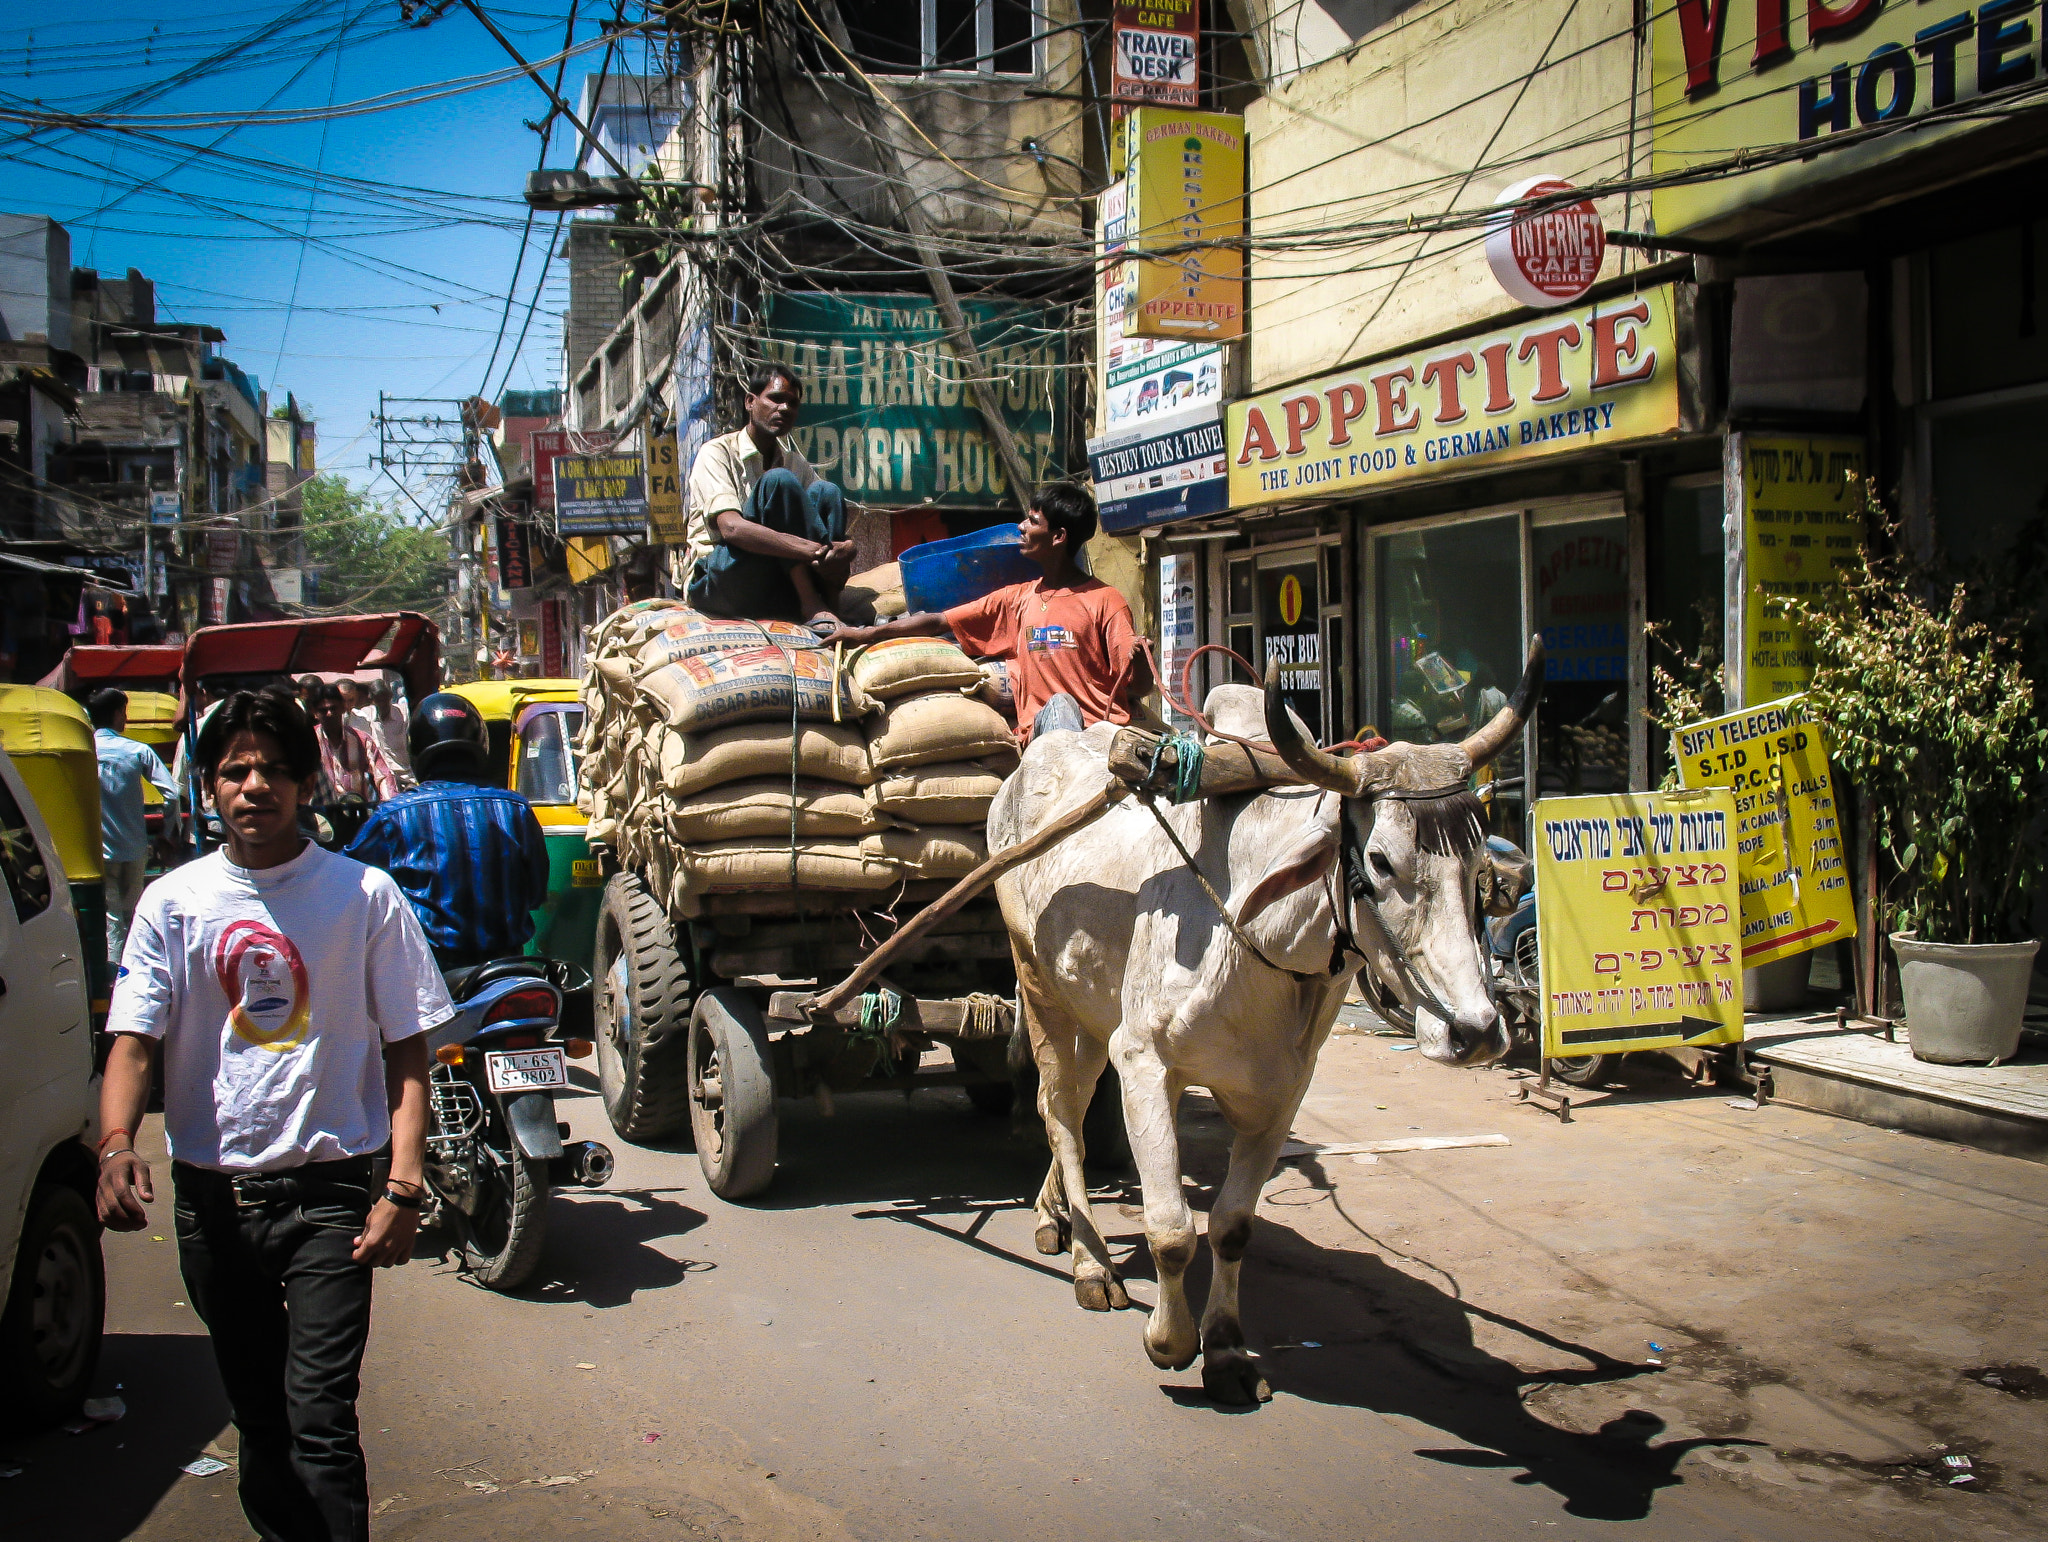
<point>732,1094</point>
<point>641,998</point>
<point>56,1310</point>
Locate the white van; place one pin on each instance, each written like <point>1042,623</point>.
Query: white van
<point>49,1234</point>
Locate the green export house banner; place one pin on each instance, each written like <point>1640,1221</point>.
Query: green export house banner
<point>885,413</point>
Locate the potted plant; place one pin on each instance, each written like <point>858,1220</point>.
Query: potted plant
<point>1922,680</point>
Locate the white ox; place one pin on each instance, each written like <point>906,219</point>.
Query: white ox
<point>1121,952</point>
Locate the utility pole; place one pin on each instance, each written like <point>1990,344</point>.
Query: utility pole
<point>897,177</point>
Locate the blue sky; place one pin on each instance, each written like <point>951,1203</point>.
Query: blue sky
<point>399,288</point>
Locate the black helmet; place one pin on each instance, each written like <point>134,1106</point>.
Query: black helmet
<point>447,738</point>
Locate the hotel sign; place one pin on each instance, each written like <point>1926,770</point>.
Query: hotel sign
<point>1579,379</point>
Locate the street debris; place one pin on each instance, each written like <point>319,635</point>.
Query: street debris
<point>1302,1148</point>
<point>2024,1381</point>
<point>103,1410</point>
<point>204,1466</point>
<point>565,1478</point>
<point>585,1365</point>
<point>650,1437</point>
<point>1745,1104</point>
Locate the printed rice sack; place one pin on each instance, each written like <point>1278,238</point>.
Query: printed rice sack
<point>995,688</point>
<point>949,793</point>
<point>763,864</point>
<point>905,666</point>
<point>761,807</point>
<point>829,752</point>
<point>714,690</point>
<point>944,725</point>
<point>689,634</point>
<point>936,851</point>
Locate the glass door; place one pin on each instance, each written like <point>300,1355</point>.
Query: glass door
<point>1579,583</point>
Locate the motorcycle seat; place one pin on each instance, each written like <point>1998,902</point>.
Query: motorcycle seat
<point>470,978</point>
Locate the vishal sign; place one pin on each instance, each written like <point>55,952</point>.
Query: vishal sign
<point>1591,376</point>
<point>1749,75</point>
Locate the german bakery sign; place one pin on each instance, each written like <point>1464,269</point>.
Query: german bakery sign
<point>1578,379</point>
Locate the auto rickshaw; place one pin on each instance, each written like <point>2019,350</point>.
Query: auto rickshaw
<point>49,738</point>
<point>153,720</point>
<point>533,726</point>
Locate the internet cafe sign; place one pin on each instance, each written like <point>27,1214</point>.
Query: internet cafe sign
<point>1750,75</point>
<point>1590,376</point>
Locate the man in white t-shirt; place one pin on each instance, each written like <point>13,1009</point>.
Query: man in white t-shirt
<point>290,989</point>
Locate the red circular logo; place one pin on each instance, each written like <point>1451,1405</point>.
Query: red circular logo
<point>1550,255</point>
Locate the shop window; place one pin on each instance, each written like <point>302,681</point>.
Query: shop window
<point>1986,299</point>
<point>916,37</point>
<point>1990,475</point>
<point>1687,569</point>
<point>1579,575</point>
<point>1449,639</point>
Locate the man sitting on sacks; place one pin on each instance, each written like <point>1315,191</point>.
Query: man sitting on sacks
<point>1068,639</point>
<point>767,538</point>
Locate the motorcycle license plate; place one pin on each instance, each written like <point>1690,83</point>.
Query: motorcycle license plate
<point>525,1070</point>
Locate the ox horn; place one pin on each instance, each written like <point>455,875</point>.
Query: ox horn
<point>1317,767</point>
<point>1496,735</point>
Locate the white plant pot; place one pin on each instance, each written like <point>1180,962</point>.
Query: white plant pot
<point>1964,1001</point>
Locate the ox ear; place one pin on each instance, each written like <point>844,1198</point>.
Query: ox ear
<point>1302,862</point>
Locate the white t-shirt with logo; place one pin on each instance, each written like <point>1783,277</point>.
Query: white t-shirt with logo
<point>274,992</point>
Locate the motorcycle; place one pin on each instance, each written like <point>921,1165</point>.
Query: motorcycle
<point>495,1151</point>
<point>1513,956</point>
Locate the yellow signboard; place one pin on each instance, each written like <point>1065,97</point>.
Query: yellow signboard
<point>664,490</point>
<point>1185,185</point>
<point>1802,518</point>
<point>1789,856</point>
<point>1593,375</point>
<point>1636,922</point>
<point>1736,76</point>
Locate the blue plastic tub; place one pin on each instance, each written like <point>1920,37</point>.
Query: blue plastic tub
<point>941,574</point>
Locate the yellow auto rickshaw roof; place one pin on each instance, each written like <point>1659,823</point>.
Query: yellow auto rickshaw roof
<point>35,721</point>
<point>498,700</point>
<point>151,711</point>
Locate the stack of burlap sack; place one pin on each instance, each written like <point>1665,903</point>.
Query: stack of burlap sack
<point>747,759</point>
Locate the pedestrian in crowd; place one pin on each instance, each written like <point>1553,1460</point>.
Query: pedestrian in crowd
<point>766,537</point>
<point>124,838</point>
<point>289,989</point>
<point>351,765</point>
<point>309,692</point>
<point>351,695</point>
<point>1068,639</point>
<point>385,721</point>
<point>470,857</point>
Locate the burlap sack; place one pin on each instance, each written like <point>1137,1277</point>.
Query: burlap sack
<point>876,595</point>
<point>715,690</point>
<point>761,807</point>
<point>949,793</point>
<point>824,752</point>
<point>762,864</point>
<point>905,666</point>
<point>936,851</point>
<point>944,725</point>
<point>691,635</point>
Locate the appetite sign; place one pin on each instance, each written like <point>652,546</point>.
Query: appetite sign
<point>1636,909</point>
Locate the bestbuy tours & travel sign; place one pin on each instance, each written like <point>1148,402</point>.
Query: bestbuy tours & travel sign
<point>1587,377</point>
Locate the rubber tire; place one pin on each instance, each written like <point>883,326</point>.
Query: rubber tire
<point>735,1142</point>
<point>645,1081</point>
<point>1583,1070</point>
<point>526,1234</point>
<point>56,1265</point>
<point>994,1099</point>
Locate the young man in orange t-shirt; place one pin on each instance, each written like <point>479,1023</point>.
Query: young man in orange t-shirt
<point>1068,638</point>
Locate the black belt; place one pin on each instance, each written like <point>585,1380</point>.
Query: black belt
<point>290,1186</point>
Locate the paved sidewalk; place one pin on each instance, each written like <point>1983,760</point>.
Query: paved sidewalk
<point>1800,1297</point>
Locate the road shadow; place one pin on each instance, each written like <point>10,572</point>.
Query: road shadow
<point>600,1247</point>
<point>101,1485</point>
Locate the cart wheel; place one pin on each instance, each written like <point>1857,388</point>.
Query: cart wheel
<point>641,1003</point>
<point>1582,1070</point>
<point>732,1094</point>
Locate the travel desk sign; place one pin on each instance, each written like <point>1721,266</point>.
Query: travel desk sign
<point>601,494</point>
<point>1790,860</point>
<point>1636,909</point>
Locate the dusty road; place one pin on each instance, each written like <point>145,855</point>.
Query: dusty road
<point>876,1352</point>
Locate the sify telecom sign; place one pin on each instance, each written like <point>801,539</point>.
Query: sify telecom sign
<point>1754,75</point>
<point>1156,53</point>
<point>1548,255</point>
<point>1788,832</point>
<point>1184,195</point>
<point>1636,922</point>
<point>1592,376</point>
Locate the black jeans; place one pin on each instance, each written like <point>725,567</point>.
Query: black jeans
<point>267,1263</point>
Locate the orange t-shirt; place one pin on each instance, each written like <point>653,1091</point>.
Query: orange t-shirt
<point>1077,639</point>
